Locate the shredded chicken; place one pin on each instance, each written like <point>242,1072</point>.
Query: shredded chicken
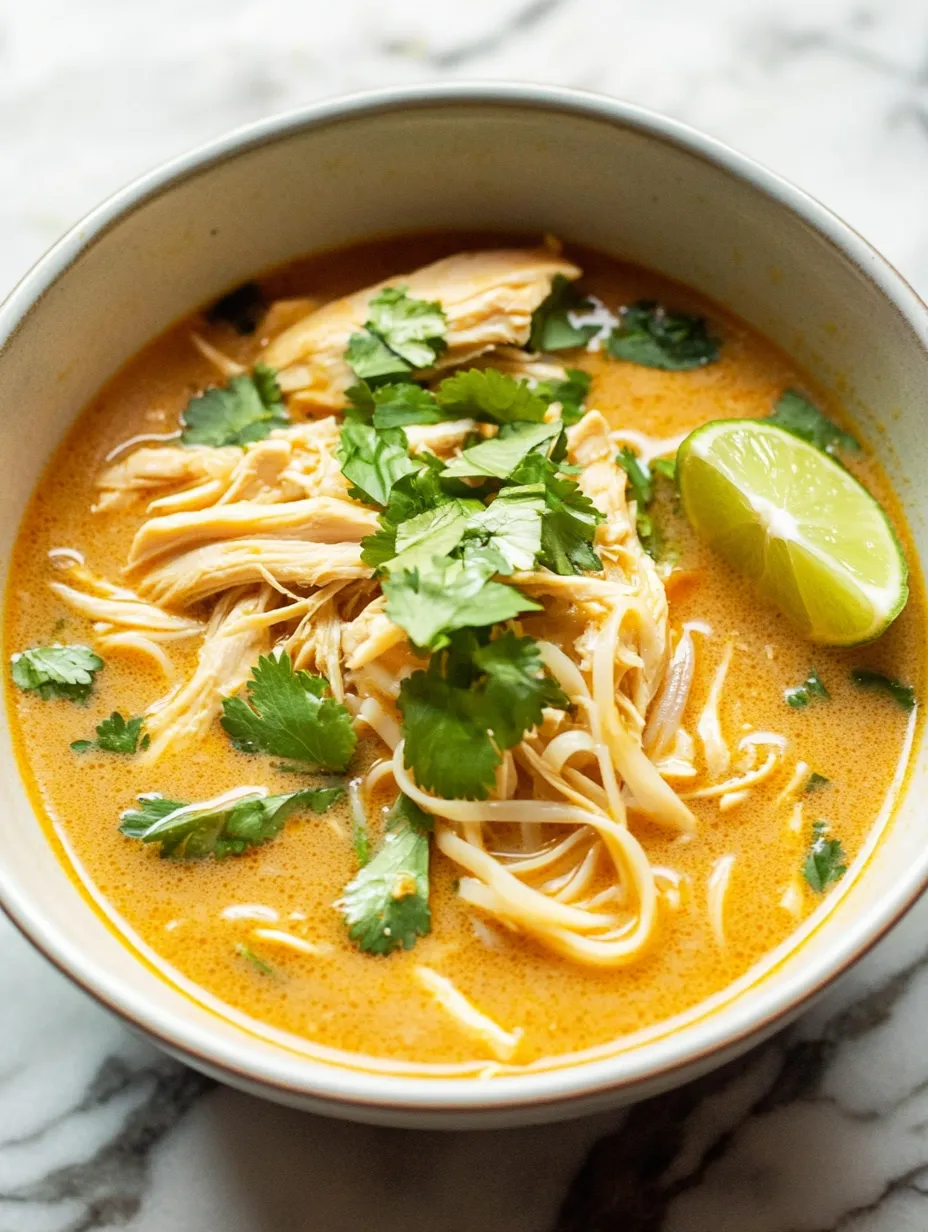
<point>192,576</point>
<point>223,665</point>
<point>488,299</point>
<point>318,519</point>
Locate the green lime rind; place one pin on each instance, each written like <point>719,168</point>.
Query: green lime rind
<point>812,538</point>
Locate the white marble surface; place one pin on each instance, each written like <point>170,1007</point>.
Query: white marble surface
<point>825,1128</point>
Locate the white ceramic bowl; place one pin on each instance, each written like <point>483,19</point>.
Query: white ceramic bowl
<point>507,157</point>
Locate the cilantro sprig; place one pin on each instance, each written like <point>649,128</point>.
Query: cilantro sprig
<point>65,672</point>
<point>491,396</point>
<point>649,335</point>
<point>402,334</point>
<point>571,393</point>
<point>796,414</point>
<point>552,327</point>
<point>192,831</point>
<point>242,411</point>
<point>642,484</point>
<point>429,604</point>
<point>812,689</point>
<point>902,694</point>
<point>288,715</point>
<point>373,460</point>
<point>826,861</point>
<point>474,700</point>
<point>115,735</point>
<point>386,905</point>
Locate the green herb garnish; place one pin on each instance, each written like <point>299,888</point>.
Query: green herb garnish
<point>288,715</point>
<point>798,415</point>
<point>472,702</point>
<point>811,688</point>
<point>401,334</point>
<point>244,410</point>
<point>649,335</point>
<point>191,831</point>
<point>372,461</point>
<point>386,906</point>
<point>825,862</point>
<point>902,694</point>
<point>262,967</point>
<point>65,672</point>
<point>115,735</point>
<point>816,782</point>
<point>490,396</point>
<point>552,328</point>
<point>571,393</point>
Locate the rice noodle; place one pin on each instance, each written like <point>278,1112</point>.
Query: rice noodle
<point>709,727</point>
<point>501,1043</point>
<point>719,881</point>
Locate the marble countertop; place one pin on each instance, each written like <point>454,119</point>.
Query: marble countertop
<point>824,1128</point>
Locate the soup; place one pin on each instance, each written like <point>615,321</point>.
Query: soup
<point>376,685</point>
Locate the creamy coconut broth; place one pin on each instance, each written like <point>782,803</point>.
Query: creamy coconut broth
<point>643,900</point>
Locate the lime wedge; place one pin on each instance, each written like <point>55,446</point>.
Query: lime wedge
<point>813,539</point>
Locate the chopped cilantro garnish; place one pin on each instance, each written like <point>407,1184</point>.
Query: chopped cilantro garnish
<point>262,967</point>
<point>649,335</point>
<point>825,862</point>
<point>510,528</point>
<point>811,688</point>
<point>798,415</point>
<point>499,456</point>
<point>451,594</point>
<point>471,703</point>
<point>394,405</point>
<point>115,735</point>
<point>360,835</point>
<point>411,495</point>
<point>902,694</point>
<point>386,906</point>
<point>244,410</point>
<point>190,831</point>
<point>552,328</point>
<point>641,481</point>
<point>401,334</point>
<point>373,460</point>
<point>56,671</point>
<point>290,716</point>
<point>570,518</point>
<point>571,393</point>
<point>242,308</point>
<point>816,782</point>
<point>492,396</point>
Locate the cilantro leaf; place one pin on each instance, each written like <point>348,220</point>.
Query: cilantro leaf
<point>902,694</point>
<point>552,329</point>
<point>373,460</point>
<point>569,521</point>
<point>262,967</point>
<point>115,735</point>
<point>469,704</point>
<point>571,393</point>
<point>244,410</point>
<point>288,715</point>
<point>386,906</point>
<point>825,862</point>
<point>666,467</point>
<point>491,396</point>
<point>395,405</point>
<point>242,308</point>
<point>816,781</point>
<point>401,334</point>
<point>56,671</point>
<point>510,527</point>
<point>191,831</point>
<point>517,687</point>
<point>412,494</point>
<point>499,456</point>
<point>372,360</point>
<point>436,532</point>
<point>639,477</point>
<point>649,335</point>
<point>811,688</point>
<point>798,415</point>
<point>451,594</point>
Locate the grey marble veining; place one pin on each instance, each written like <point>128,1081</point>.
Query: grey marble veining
<point>825,1127</point>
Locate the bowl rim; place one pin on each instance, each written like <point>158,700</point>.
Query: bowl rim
<point>333,1088</point>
